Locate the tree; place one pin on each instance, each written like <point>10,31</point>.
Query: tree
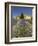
<point>22,16</point>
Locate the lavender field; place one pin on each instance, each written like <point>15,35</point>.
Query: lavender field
<point>21,28</point>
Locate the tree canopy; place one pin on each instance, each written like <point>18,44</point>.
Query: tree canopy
<point>22,16</point>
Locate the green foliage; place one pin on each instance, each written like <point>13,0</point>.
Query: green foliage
<point>22,16</point>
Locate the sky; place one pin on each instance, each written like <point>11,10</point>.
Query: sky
<point>16,10</point>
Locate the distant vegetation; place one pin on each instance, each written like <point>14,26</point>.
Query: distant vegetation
<point>22,16</point>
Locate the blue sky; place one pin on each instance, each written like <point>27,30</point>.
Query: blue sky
<point>15,11</point>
